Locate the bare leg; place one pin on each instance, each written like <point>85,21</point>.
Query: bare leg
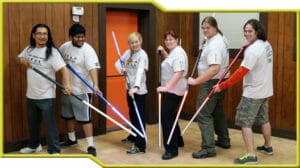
<point>248,139</point>
<point>266,130</point>
<point>71,125</point>
<point>88,131</point>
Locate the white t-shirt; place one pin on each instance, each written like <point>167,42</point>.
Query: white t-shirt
<point>136,69</point>
<point>82,59</point>
<point>258,82</point>
<point>176,61</point>
<point>215,51</point>
<point>38,87</point>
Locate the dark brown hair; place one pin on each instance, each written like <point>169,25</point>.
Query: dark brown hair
<point>213,22</point>
<point>171,33</point>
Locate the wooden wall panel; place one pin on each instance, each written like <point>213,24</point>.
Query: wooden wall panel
<point>281,34</point>
<point>6,83</point>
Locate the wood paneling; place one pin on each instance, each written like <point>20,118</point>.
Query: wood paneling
<point>281,33</point>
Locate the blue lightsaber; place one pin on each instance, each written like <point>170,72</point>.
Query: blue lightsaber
<point>84,102</point>
<point>128,85</point>
<point>102,98</point>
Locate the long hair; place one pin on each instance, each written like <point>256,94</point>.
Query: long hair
<point>49,43</point>
<point>213,22</point>
<point>258,27</point>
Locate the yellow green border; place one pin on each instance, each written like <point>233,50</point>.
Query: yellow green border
<point>164,9</point>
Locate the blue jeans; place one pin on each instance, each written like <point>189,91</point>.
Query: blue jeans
<point>36,110</point>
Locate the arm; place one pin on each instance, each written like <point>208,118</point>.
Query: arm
<point>234,78</point>
<point>66,79</point>
<point>163,51</point>
<point>207,75</point>
<point>94,75</point>
<point>24,61</point>
<point>175,78</point>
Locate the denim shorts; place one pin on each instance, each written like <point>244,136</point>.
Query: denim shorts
<point>252,112</point>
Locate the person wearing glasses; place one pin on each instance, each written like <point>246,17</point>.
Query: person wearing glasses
<point>82,57</point>
<point>213,62</point>
<point>40,95</point>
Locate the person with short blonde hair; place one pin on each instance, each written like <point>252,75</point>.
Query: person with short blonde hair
<point>136,62</point>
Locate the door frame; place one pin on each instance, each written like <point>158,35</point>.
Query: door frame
<point>147,27</point>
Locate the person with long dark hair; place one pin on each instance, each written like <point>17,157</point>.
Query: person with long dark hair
<point>40,96</point>
<point>213,62</point>
<point>256,70</point>
<point>174,69</point>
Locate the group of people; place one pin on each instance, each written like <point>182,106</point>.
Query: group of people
<point>255,70</point>
<point>40,96</point>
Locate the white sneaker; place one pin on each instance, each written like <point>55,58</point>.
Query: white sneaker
<point>27,150</point>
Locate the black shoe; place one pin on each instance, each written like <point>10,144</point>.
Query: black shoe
<point>202,154</point>
<point>127,141</point>
<point>168,155</point>
<point>92,151</point>
<point>135,150</point>
<point>68,143</point>
<point>223,145</point>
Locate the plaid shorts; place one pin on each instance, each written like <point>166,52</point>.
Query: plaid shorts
<point>252,111</point>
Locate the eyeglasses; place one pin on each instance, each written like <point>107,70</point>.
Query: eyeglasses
<point>41,34</point>
<point>205,27</point>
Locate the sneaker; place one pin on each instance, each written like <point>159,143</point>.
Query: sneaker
<point>246,159</point>
<point>92,151</point>
<point>202,154</point>
<point>68,143</point>
<point>127,141</point>
<point>265,150</point>
<point>135,150</point>
<point>27,150</point>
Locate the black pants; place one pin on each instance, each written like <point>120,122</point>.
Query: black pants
<point>170,104</point>
<point>140,102</point>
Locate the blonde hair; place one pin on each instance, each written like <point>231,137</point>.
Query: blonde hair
<point>134,35</point>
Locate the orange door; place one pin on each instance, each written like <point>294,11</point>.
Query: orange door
<point>122,24</point>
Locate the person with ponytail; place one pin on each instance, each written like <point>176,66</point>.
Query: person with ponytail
<point>135,61</point>
<point>213,62</point>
